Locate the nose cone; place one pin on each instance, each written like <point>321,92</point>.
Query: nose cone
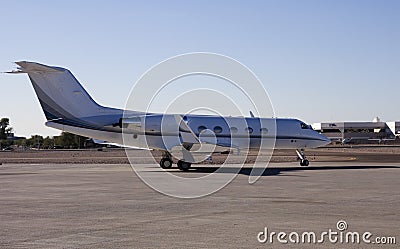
<point>315,140</point>
<point>323,140</point>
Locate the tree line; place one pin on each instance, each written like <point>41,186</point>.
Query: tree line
<point>64,141</point>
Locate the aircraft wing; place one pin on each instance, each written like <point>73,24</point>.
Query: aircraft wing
<point>187,134</point>
<point>102,142</point>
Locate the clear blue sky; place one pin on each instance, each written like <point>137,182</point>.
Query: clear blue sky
<point>319,60</point>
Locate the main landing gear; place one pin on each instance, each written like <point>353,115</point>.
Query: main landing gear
<point>184,166</point>
<point>166,163</point>
<point>303,160</point>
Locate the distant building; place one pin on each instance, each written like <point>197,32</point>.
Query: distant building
<point>359,132</point>
<point>394,127</point>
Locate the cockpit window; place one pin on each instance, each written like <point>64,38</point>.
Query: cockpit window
<point>305,126</point>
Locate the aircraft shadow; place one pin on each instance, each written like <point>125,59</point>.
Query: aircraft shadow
<point>277,171</point>
<point>16,173</point>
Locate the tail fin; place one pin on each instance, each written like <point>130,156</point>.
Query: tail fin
<point>60,94</point>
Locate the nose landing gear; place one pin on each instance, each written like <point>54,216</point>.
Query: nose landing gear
<point>303,160</point>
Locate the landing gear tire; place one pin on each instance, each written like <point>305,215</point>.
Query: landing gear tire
<point>166,163</point>
<point>184,166</point>
<point>304,163</point>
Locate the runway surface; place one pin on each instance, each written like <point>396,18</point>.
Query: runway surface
<point>108,206</point>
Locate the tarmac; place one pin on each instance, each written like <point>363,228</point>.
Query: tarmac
<point>108,206</point>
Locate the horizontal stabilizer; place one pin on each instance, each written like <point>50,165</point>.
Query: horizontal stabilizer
<point>33,67</point>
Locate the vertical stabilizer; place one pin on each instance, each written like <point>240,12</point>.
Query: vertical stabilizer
<point>60,94</point>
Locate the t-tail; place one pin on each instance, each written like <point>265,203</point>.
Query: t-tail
<point>66,104</point>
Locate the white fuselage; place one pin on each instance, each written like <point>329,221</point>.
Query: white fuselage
<point>157,131</point>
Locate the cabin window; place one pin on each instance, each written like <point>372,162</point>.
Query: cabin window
<point>217,129</point>
<point>264,131</point>
<point>249,130</point>
<point>233,130</point>
<point>201,128</point>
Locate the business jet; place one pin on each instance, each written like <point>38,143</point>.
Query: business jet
<point>68,107</point>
